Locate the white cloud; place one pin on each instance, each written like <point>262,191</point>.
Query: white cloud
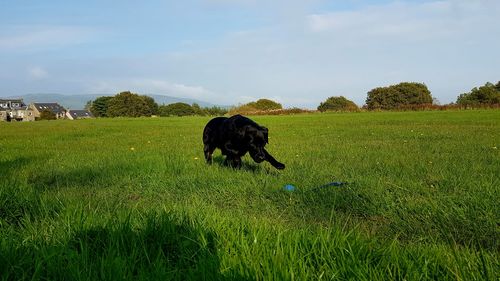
<point>152,86</point>
<point>16,38</point>
<point>410,19</point>
<point>449,45</point>
<point>37,72</point>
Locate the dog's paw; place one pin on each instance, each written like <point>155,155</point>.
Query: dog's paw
<point>280,166</point>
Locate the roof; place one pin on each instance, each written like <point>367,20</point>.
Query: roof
<point>23,107</point>
<point>7,103</point>
<point>12,100</point>
<point>52,106</point>
<point>80,113</point>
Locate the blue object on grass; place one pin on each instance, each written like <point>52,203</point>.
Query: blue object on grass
<point>335,183</point>
<point>289,187</point>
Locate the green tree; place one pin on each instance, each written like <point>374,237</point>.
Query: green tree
<point>47,114</point>
<point>176,109</point>
<point>265,104</point>
<point>487,94</point>
<point>400,95</point>
<point>150,102</point>
<point>215,111</point>
<point>383,98</point>
<point>99,107</point>
<point>198,110</point>
<point>131,105</point>
<point>337,104</point>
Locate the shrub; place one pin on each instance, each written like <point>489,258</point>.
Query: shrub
<point>337,104</point>
<point>256,106</point>
<point>99,107</point>
<point>215,111</point>
<point>176,109</point>
<point>402,94</point>
<point>47,114</point>
<point>265,104</point>
<point>286,111</point>
<point>487,94</point>
<point>131,105</point>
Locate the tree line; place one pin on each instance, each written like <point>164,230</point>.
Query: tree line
<point>411,95</point>
<point>128,104</point>
<point>402,96</point>
<point>487,94</point>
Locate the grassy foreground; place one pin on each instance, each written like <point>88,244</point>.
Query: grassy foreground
<point>131,199</point>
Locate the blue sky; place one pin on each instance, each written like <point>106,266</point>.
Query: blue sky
<point>229,52</point>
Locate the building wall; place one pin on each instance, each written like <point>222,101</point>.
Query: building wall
<point>15,109</point>
<point>28,115</point>
<point>36,113</point>
<point>61,115</point>
<point>25,114</point>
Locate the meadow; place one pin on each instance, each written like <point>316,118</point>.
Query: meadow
<point>132,199</point>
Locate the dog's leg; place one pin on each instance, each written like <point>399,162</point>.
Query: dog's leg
<point>233,161</point>
<point>274,162</point>
<point>236,162</point>
<point>208,153</point>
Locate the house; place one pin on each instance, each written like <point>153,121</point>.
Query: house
<point>38,107</point>
<point>79,114</point>
<point>15,109</point>
<point>9,103</point>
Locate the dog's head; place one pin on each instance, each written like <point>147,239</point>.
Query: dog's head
<point>256,138</point>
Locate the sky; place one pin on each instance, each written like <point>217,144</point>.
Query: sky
<point>228,52</point>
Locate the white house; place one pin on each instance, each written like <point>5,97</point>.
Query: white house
<point>15,109</point>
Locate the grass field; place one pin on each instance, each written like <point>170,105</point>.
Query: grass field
<point>132,199</point>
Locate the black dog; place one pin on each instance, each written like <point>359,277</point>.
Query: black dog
<point>235,136</point>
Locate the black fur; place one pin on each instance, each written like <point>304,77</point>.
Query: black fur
<point>235,136</point>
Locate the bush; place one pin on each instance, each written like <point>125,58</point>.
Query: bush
<point>99,107</point>
<point>215,111</point>
<point>47,114</point>
<point>487,94</point>
<point>176,109</point>
<point>243,109</point>
<point>256,106</point>
<point>286,111</point>
<point>400,95</point>
<point>131,105</point>
<point>265,104</point>
<point>337,104</point>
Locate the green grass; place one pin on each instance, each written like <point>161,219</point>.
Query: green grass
<point>133,199</point>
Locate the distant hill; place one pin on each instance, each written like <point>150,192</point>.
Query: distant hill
<point>79,101</point>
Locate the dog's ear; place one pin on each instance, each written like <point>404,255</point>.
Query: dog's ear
<point>266,132</point>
